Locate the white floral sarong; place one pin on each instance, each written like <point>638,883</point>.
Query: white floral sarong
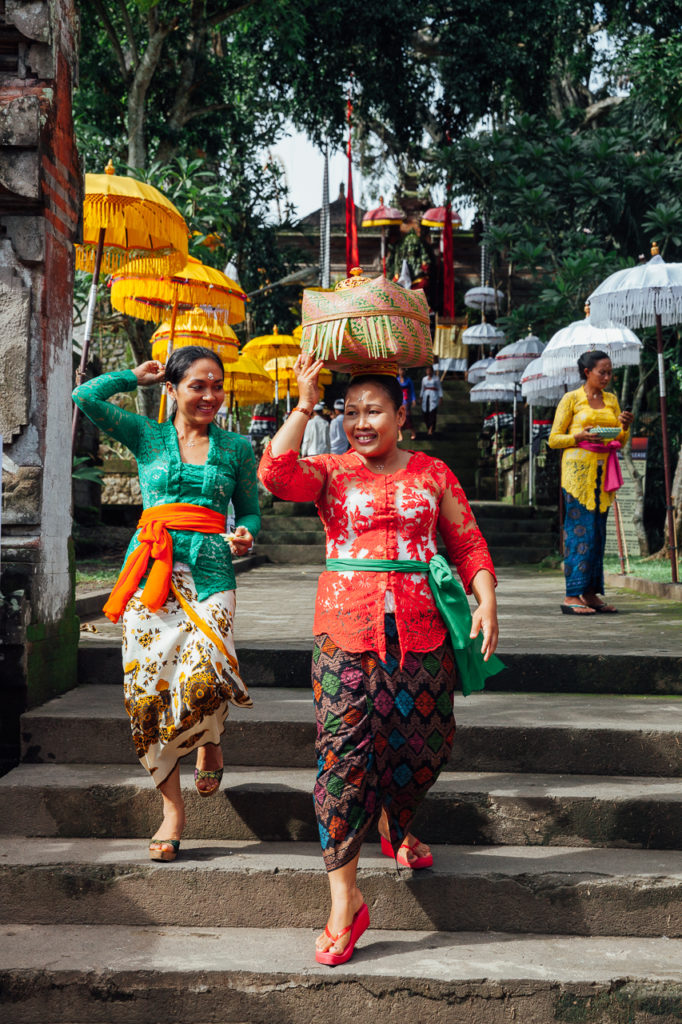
<point>179,681</point>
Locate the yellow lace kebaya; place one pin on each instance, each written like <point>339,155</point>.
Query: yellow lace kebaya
<point>578,466</point>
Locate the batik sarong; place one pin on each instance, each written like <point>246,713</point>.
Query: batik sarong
<point>383,736</point>
<point>584,541</point>
<point>178,682</point>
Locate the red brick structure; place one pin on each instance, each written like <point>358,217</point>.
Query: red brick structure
<point>40,191</point>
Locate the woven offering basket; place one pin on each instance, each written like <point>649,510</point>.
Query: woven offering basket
<point>366,322</point>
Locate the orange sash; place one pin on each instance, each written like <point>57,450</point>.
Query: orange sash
<point>155,542</point>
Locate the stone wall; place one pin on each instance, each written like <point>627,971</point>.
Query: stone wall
<point>40,200</point>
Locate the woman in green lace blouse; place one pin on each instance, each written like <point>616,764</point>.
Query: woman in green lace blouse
<point>179,662</point>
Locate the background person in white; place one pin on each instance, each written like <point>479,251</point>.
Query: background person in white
<point>337,435</point>
<point>430,394</point>
<point>316,436</point>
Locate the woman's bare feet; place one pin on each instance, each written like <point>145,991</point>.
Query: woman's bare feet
<point>344,909</point>
<point>209,759</point>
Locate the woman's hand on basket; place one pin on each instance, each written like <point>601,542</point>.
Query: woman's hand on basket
<point>151,372</point>
<point>240,541</point>
<point>585,435</point>
<point>307,372</point>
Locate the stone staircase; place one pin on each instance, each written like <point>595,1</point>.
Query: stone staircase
<point>555,894</point>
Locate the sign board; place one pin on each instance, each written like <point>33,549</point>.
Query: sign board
<point>626,501</point>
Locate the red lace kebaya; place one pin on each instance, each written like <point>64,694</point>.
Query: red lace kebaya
<point>369,515</point>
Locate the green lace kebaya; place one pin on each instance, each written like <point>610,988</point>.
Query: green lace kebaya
<point>229,474</point>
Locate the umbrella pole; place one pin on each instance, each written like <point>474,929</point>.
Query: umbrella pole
<point>514,451</point>
<point>229,413</point>
<point>288,397</point>
<point>383,250</point>
<point>530,455</point>
<point>236,413</point>
<point>497,453</point>
<point>666,449</point>
<point>89,319</point>
<point>619,535</point>
<point>174,316</point>
<point>276,394</point>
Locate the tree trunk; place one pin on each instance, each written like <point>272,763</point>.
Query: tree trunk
<point>638,513</point>
<point>676,498</point>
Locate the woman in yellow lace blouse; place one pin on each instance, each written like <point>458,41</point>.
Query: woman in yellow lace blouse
<point>588,469</point>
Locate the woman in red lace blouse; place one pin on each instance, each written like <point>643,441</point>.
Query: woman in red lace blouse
<point>383,664</point>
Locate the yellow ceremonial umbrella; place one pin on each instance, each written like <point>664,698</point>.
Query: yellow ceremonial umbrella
<point>273,346</point>
<point>160,296</point>
<point>125,219</point>
<point>283,367</point>
<point>196,328</point>
<point>246,382</point>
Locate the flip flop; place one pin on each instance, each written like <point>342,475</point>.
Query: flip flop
<point>417,864</point>
<point>200,773</point>
<point>358,925</point>
<point>567,609</point>
<point>165,855</point>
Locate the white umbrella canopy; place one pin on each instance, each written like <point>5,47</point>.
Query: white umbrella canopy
<point>478,370</point>
<point>637,295</point>
<point>483,334</point>
<point>641,296</point>
<point>483,297</point>
<point>539,386</point>
<point>493,391</point>
<point>514,358</point>
<point>568,344</point>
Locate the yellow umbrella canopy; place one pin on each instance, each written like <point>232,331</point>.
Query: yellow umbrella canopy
<point>248,381</point>
<point>196,328</point>
<point>134,220</point>
<point>272,346</point>
<point>156,296</point>
<point>284,367</point>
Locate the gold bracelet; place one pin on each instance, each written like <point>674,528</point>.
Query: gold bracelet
<point>297,408</point>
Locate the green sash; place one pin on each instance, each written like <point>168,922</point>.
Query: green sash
<point>452,604</point>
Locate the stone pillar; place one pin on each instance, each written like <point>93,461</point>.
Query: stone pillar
<point>40,199</point>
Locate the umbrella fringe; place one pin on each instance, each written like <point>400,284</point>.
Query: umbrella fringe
<point>637,307</point>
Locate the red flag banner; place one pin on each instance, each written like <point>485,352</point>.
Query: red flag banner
<point>352,256</point>
<point>448,267</point>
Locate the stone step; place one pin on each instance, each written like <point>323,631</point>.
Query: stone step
<point>122,975</point>
<point>496,732</point>
<point>470,808</point>
<point>283,553</point>
<point>271,663</point>
<point>555,890</point>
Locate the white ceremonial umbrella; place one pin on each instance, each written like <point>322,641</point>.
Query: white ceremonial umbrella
<point>567,345</point>
<point>539,387</point>
<point>478,370</point>
<point>483,297</point>
<point>514,358</point>
<point>501,390</point>
<point>483,334</point>
<point>650,293</point>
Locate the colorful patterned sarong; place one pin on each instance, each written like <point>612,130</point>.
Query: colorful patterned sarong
<point>178,684</point>
<point>383,736</point>
<point>584,542</point>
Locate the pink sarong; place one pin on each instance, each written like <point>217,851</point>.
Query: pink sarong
<point>614,478</point>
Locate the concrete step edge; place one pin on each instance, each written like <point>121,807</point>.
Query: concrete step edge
<point>554,890</point>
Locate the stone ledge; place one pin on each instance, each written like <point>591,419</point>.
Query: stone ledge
<point>654,588</point>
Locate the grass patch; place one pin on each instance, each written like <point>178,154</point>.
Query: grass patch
<point>659,572</point>
<point>101,572</point>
